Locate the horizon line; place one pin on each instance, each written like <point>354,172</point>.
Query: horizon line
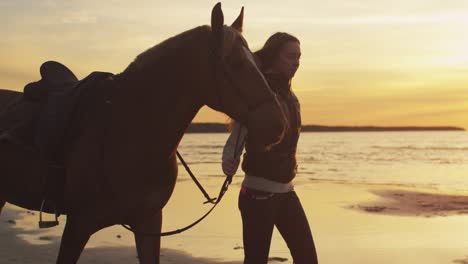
<point>358,126</point>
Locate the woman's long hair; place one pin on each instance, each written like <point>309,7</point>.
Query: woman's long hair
<point>265,56</point>
<point>268,53</point>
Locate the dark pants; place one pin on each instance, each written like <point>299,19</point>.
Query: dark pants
<point>284,211</point>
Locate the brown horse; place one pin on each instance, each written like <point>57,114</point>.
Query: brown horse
<point>121,157</point>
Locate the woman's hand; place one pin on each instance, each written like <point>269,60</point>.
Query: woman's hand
<point>230,166</point>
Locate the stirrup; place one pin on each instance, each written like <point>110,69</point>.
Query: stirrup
<point>47,224</point>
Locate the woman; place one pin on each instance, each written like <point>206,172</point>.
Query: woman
<point>267,196</point>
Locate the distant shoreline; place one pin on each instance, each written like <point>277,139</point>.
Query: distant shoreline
<point>222,128</point>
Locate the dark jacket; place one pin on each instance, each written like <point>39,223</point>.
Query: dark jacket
<point>279,164</point>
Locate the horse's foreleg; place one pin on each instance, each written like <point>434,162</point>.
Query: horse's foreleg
<point>74,238</point>
<point>148,247</point>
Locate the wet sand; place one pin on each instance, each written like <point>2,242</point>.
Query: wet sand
<point>351,223</point>
<point>415,203</point>
<point>13,249</point>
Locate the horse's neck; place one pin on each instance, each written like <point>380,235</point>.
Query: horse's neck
<point>168,85</point>
<point>180,116</point>
<point>168,102</point>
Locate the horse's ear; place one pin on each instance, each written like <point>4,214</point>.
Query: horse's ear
<point>217,27</point>
<point>239,23</point>
<point>217,19</point>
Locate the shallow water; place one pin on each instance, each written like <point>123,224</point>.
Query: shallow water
<point>429,159</point>
<point>336,170</point>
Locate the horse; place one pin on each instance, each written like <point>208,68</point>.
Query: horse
<point>120,156</point>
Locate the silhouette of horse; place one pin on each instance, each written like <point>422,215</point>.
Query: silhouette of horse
<point>120,158</point>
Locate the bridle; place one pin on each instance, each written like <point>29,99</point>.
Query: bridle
<point>223,73</point>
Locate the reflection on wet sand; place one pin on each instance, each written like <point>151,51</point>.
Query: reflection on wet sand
<point>415,203</point>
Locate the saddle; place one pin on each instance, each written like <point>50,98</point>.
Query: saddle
<point>18,117</point>
<point>58,92</point>
<point>42,115</point>
<point>55,77</point>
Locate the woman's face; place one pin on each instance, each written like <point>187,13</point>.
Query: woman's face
<point>287,61</point>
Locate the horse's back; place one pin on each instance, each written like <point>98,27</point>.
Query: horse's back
<point>8,97</point>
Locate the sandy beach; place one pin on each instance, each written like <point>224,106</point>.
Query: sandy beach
<point>20,244</point>
<point>351,223</point>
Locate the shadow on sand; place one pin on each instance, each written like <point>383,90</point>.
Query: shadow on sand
<point>15,250</point>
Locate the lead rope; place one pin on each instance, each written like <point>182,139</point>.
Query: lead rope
<point>214,201</point>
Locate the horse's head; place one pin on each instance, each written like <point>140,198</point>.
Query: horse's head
<point>240,89</point>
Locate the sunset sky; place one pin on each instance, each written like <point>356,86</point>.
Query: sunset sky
<point>365,62</point>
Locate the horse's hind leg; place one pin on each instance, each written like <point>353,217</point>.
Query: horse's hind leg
<point>75,236</point>
<point>148,247</point>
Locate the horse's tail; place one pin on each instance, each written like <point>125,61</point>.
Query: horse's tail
<point>22,173</point>
<point>21,168</point>
<point>2,203</point>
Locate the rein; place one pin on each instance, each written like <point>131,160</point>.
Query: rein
<point>214,201</point>
<point>187,168</point>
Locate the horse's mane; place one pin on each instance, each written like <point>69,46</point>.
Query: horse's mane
<point>154,54</point>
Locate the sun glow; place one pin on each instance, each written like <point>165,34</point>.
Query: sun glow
<point>380,61</point>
